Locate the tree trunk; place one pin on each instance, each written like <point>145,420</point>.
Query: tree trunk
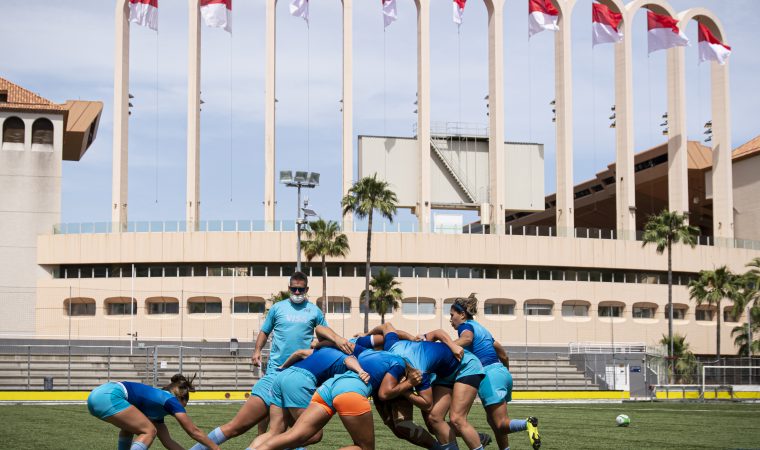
<point>671,361</point>
<point>367,273</point>
<point>717,334</point>
<point>382,318</point>
<point>324,285</point>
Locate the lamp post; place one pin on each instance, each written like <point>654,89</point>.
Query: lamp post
<point>300,180</point>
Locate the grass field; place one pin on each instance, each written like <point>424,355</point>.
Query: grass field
<point>563,426</point>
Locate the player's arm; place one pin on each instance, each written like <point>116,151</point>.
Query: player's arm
<point>501,353</point>
<point>353,365</point>
<point>440,335</point>
<point>391,388</point>
<point>422,399</point>
<point>194,432</point>
<point>166,440</point>
<point>296,356</point>
<point>381,330</point>
<point>261,340</point>
<point>405,336</point>
<point>465,339</point>
<point>326,333</point>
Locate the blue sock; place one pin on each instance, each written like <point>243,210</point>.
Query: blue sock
<point>137,445</point>
<point>506,448</point>
<point>518,425</point>
<point>216,436</point>
<point>124,443</point>
<point>479,448</point>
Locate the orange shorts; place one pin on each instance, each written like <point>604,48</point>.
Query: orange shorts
<point>346,404</point>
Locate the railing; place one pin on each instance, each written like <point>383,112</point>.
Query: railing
<point>469,129</point>
<point>618,347</point>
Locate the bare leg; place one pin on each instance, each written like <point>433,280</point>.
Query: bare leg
<point>462,398</point>
<point>362,431</point>
<point>397,415</point>
<point>295,414</point>
<point>253,411</point>
<point>132,421</point>
<point>312,420</point>
<point>263,425</point>
<point>277,425</point>
<point>436,418</point>
<point>499,421</point>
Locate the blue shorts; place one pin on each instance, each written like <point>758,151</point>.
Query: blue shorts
<point>293,388</point>
<point>263,388</point>
<point>390,340</point>
<point>469,369</point>
<point>341,384</point>
<point>496,387</point>
<point>107,399</point>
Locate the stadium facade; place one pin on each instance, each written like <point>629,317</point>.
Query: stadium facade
<point>567,270</point>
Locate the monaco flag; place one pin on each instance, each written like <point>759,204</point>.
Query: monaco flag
<point>710,48</point>
<point>217,14</point>
<point>664,33</point>
<point>458,11</point>
<point>300,8</point>
<point>605,25</point>
<point>542,15</point>
<point>389,12</point>
<point>144,12</point>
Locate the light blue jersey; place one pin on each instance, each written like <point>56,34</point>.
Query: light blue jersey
<point>291,327</point>
<point>482,342</point>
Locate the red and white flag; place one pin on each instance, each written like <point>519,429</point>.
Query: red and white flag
<point>300,8</point>
<point>389,12</point>
<point>605,25</point>
<point>217,14</point>
<point>458,11</point>
<point>144,13</point>
<point>542,15</point>
<point>663,33</point>
<point>710,48</point>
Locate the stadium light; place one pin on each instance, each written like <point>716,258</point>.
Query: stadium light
<point>301,179</point>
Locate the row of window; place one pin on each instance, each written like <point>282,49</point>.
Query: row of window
<point>410,306</point>
<point>358,270</point>
<point>14,131</point>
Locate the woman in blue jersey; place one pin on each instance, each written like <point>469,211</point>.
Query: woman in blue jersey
<point>346,394</point>
<point>302,372</point>
<point>139,411</point>
<point>496,389</point>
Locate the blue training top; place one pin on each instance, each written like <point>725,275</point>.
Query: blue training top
<point>154,403</point>
<point>293,326</point>
<point>430,358</point>
<point>482,342</point>
<point>326,362</point>
<point>378,363</point>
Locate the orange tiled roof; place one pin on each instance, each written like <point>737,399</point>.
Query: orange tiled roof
<point>748,148</point>
<point>23,99</point>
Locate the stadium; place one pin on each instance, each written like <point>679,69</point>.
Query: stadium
<point>563,279</point>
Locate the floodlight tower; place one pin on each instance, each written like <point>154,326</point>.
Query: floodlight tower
<point>301,180</point>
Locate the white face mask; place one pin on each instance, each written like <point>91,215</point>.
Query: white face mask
<point>297,298</point>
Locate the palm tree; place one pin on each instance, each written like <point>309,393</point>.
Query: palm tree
<point>364,197</point>
<point>278,297</point>
<point>384,295</point>
<point>324,239</point>
<point>742,335</point>
<point>685,361</point>
<point>711,288</point>
<point>664,230</point>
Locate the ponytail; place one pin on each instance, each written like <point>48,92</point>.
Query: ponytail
<point>180,387</point>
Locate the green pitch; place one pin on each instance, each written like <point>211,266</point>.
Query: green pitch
<point>570,426</point>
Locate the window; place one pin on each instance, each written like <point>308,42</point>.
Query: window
<point>704,314</point>
<point>156,272</point>
<point>435,272</point>
<point>610,311</point>
<point>538,308</point>
<point>79,306</point>
<point>3,96</point>
<point>248,306</point>
<point>336,305</point>
<point>362,309</point>
<point>205,305</point>
<point>162,305</point>
<point>258,271</point>
<point>499,307</point>
<point>214,271</point>
<point>13,131</point>
<point>575,308</point>
<point>142,271</point>
<point>426,306</point>
<point>42,132</point>
<point>643,312</point>
<point>729,316</point>
<point>120,306</point>
<point>679,312</point>
<point>100,272</point>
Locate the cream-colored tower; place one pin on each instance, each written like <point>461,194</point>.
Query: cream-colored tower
<point>348,106</point>
<point>269,112</point>
<point>120,165</point>
<point>563,89</point>
<point>423,209</point>
<point>193,115</point>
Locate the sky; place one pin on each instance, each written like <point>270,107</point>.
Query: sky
<point>64,49</point>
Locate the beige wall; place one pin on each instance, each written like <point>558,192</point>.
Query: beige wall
<point>397,248</point>
<point>746,198</point>
<point>30,204</point>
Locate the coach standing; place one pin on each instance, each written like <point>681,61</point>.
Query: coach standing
<point>292,324</point>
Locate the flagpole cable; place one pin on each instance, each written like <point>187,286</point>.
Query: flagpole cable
<point>230,114</point>
<point>649,82</point>
<point>530,91</point>
<point>308,96</point>
<point>385,101</point>
<point>459,68</point>
<point>700,108</point>
<point>593,111</point>
<point>155,143</point>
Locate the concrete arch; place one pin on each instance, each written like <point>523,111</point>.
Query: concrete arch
<point>656,6</point>
<point>705,17</point>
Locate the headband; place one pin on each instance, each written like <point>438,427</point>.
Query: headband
<point>458,307</point>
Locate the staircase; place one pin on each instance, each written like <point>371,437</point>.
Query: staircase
<point>436,145</point>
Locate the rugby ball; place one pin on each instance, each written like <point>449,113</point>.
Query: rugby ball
<point>623,420</point>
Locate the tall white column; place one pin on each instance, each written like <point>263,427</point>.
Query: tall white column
<point>496,114</point>
<point>625,182</point>
<point>563,88</point>
<point>120,167</point>
<point>269,113</point>
<point>348,106</point>
<point>193,115</point>
<point>723,193</point>
<point>423,207</point>
<point>678,158</point>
